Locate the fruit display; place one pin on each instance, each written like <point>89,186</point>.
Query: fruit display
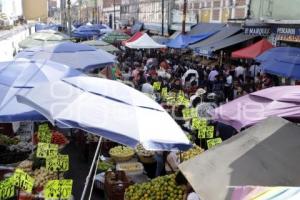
<point>160,188</point>
<point>143,152</point>
<point>26,166</point>
<point>131,168</point>
<point>104,166</point>
<point>192,152</point>
<point>21,147</point>
<point>59,138</point>
<point>5,140</point>
<point>121,153</point>
<point>42,176</point>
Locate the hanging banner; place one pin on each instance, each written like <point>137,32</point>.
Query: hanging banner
<point>7,189</point>
<point>45,150</point>
<point>22,180</point>
<point>58,189</point>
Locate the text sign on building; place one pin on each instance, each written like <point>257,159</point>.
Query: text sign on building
<point>286,31</point>
<point>257,30</point>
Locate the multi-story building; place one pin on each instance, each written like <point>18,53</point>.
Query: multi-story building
<point>129,11</point>
<point>110,12</point>
<point>279,20</point>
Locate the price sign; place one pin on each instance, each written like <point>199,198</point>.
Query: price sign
<point>213,142</point>
<point>171,100</point>
<point>46,150</point>
<point>186,113</point>
<point>7,189</point>
<point>164,92</point>
<point>58,163</point>
<point>58,189</point>
<point>23,180</point>
<point>210,131</point>
<point>156,86</point>
<point>195,123</point>
<point>201,132</point>
<point>203,122</point>
<point>44,134</point>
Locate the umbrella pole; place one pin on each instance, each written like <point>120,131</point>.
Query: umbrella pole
<point>96,157</point>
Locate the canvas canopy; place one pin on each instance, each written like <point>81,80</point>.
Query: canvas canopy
<point>144,42</point>
<point>254,50</point>
<point>266,155</point>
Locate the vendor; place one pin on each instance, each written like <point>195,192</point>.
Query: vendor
<point>172,162</point>
<point>190,193</point>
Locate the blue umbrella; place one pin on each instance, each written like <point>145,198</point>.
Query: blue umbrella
<point>76,55</point>
<point>87,31</point>
<point>109,109</point>
<point>281,61</point>
<point>18,77</point>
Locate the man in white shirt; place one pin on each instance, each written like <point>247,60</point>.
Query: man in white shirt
<point>240,70</point>
<point>147,87</point>
<point>212,75</point>
<point>254,70</point>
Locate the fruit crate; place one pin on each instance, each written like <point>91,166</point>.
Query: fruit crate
<point>115,185</point>
<point>131,168</point>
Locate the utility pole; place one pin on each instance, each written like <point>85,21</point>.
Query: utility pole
<point>69,18</point>
<point>162,16</point>
<point>114,15</point>
<point>63,13</point>
<point>184,16</point>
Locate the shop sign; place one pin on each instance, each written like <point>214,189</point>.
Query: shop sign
<point>257,30</point>
<point>286,31</point>
<point>288,38</point>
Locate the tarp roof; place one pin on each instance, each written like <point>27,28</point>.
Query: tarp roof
<point>183,41</point>
<point>252,51</point>
<point>225,32</point>
<point>227,42</point>
<point>133,38</point>
<point>205,27</point>
<point>267,154</point>
<point>144,42</point>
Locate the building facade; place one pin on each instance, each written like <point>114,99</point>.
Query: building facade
<point>35,10</point>
<point>110,12</point>
<point>276,19</point>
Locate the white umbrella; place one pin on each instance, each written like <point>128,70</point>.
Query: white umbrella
<point>109,109</point>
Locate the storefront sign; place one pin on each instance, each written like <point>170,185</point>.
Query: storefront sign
<point>23,180</point>
<point>58,189</point>
<point>257,30</point>
<point>288,38</point>
<point>286,31</point>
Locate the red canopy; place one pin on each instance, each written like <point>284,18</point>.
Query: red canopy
<point>136,36</point>
<point>252,51</point>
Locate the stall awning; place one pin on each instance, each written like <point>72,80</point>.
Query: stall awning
<point>266,154</point>
<point>227,42</point>
<point>133,38</point>
<point>205,27</point>
<point>225,32</point>
<point>144,42</point>
<point>252,51</point>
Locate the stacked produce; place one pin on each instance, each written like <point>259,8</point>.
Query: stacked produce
<point>21,147</point>
<point>161,188</point>
<point>5,140</point>
<point>192,152</point>
<point>143,152</point>
<point>104,166</point>
<point>26,166</point>
<point>42,176</point>
<point>58,138</point>
<point>121,153</point>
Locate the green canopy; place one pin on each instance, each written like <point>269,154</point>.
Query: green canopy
<point>115,37</point>
<point>42,38</point>
<point>99,44</point>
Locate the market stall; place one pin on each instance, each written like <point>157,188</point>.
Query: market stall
<point>143,41</point>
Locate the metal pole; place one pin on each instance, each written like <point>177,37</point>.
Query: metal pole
<point>162,16</point>
<point>69,18</point>
<point>96,157</point>
<point>114,15</point>
<point>184,16</point>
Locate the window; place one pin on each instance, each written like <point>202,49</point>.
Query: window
<point>217,4</point>
<point>216,14</point>
<point>240,2</point>
<point>208,4</point>
<point>240,13</point>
